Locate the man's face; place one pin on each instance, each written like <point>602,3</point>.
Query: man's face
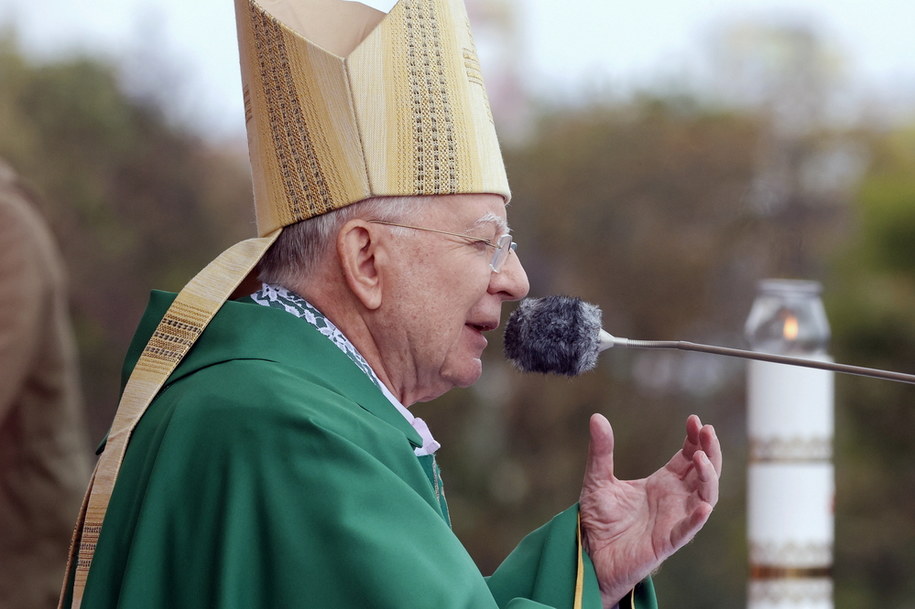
<point>443,297</point>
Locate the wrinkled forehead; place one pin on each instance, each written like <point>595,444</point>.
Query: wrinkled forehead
<point>468,204</point>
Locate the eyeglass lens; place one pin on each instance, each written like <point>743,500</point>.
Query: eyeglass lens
<point>505,245</point>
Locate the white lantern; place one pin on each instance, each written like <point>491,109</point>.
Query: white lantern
<point>791,481</point>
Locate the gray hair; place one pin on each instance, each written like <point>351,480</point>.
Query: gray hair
<point>302,247</point>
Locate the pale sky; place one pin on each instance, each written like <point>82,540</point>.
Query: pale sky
<point>570,45</point>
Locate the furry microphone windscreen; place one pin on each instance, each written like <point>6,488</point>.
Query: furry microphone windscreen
<point>555,334</point>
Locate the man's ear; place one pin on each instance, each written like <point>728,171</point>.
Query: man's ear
<point>361,261</point>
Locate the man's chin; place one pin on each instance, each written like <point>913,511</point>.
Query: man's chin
<point>471,375</point>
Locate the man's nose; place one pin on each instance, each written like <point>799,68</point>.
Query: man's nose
<point>511,281</point>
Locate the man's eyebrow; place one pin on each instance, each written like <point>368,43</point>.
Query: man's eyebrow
<point>491,218</point>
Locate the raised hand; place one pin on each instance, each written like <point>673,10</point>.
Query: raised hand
<point>629,527</point>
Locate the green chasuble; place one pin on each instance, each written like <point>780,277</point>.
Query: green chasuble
<point>270,472</point>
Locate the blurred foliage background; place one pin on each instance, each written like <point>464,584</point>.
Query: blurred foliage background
<point>665,208</point>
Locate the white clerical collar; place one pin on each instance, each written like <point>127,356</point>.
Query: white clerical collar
<point>278,297</point>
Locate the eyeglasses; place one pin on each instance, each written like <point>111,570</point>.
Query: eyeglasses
<point>503,245</point>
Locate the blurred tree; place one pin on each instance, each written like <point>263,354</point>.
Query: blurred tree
<point>134,201</point>
<point>871,304</point>
<point>788,75</point>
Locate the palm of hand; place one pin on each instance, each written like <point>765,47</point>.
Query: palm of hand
<point>630,526</point>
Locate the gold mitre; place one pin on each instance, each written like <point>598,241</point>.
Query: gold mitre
<point>344,102</point>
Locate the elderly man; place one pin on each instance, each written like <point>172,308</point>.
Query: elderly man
<point>264,452</point>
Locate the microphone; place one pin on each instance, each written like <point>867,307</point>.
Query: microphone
<point>554,335</point>
<point>563,335</point>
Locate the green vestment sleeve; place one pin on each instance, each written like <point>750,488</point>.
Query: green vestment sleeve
<point>270,472</point>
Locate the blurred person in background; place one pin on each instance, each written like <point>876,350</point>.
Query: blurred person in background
<point>44,449</point>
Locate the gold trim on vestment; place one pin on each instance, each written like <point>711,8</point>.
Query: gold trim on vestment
<point>185,320</point>
<point>580,573</point>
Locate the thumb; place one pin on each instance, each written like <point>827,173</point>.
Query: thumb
<point>600,451</point>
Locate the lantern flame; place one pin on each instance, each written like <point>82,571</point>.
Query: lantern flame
<point>790,329</point>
